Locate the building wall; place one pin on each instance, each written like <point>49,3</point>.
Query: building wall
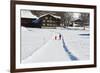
<point>31,22</point>
<point>50,21</point>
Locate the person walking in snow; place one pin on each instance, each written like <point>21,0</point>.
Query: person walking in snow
<point>55,37</point>
<point>59,36</point>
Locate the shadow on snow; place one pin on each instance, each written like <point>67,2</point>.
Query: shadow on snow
<point>72,57</point>
<point>84,34</point>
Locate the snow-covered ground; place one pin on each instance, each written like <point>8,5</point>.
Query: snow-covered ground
<point>39,45</point>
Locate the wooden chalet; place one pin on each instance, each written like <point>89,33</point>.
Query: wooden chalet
<point>49,20</point>
<point>29,20</point>
<point>46,20</point>
<point>77,23</point>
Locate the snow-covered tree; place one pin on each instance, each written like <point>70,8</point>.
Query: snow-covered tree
<point>68,16</point>
<point>85,19</point>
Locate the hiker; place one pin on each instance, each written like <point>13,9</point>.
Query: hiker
<point>59,36</point>
<point>55,37</point>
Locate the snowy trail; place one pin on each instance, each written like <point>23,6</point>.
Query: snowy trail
<point>46,54</point>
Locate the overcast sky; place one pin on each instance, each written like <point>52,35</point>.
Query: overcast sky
<point>27,13</point>
<point>76,15</point>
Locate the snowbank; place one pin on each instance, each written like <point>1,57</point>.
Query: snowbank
<point>33,39</point>
<point>23,28</point>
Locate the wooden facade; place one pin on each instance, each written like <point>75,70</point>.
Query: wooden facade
<point>49,20</point>
<point>27,22</point>
<point>46,20</point>
<point>31,22</point>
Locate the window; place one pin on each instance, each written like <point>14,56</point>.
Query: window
<point>43,20</point>
<point>48,20</point>
<point>43,24</point>
<point>46,17</point>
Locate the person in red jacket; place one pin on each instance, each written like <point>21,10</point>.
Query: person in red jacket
<point>55,37</point>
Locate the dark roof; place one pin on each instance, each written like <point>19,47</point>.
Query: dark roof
<point>78,20</point>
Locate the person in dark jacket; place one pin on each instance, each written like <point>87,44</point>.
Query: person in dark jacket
<point>59,36</point>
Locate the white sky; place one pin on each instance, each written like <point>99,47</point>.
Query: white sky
<point>76,15</point>
<point>27,13</point>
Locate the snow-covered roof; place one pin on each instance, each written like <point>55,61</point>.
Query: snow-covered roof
<point>27,14</point>
<point>51,15</point>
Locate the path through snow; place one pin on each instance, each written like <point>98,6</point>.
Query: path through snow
<point>48,53</point>
<point>72,46</point>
